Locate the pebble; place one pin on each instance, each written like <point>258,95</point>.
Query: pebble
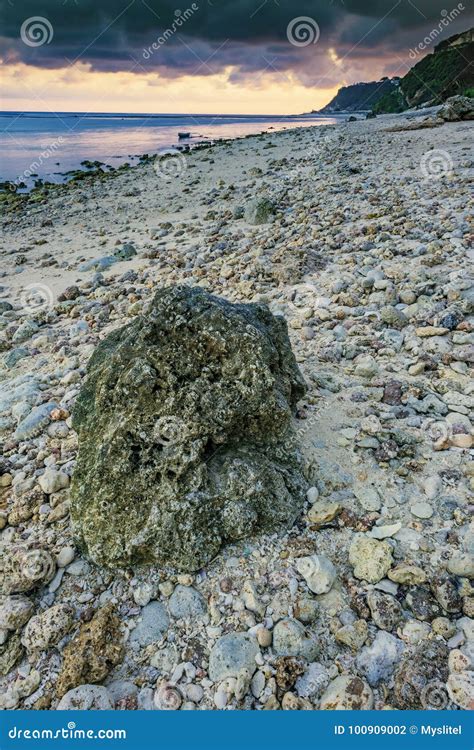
<point>322,512</point>
<point>384,532</point>
<point>313,682</point>
<point>185,602</point>
<point>153,624</point>
<point>318,572</point>
<point>86,698</point>
<point>15,611</point>
<point>65,557</point>
<point>312,494</point>
<point>378,660</point>
<point>347,693</point>
<point>232,655</point>
<point>385,610</point>
<point>48,628</point>
<point>290,638</point>
<point>461,565</point>
<point>422,510</point>
<point>366,367</point>
<point>35,422</point>
<point>461,689</point>
<point>53,481</point>
<point>370,558</point>
<point>407,573</point>
<point>368,497</point>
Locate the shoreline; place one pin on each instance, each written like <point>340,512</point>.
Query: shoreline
<point>154,135</point>
<point>365,254</point>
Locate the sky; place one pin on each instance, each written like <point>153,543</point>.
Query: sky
<point>210,56</point>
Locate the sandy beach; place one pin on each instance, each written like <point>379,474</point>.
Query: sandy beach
<point>365,249</point>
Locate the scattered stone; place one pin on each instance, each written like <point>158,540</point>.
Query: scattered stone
<point>323,512</point>
<point>318,572</point>
<point>65,557</point>
<point>290,638</point>
<point>386,611</point>
<point>259,211</point>
<point>15,611</point>
<point>378,661</point>
<point>10,653</point>
<point>313,682</point>
<point>53,481</point>
<point>460,565</point>
<point>86,698</point>
<point>234,654</point>
<point>92,653</point>
<point>366,367</point>
<point>347,693</point>
<point>407,573</point>
<point>422,510</point>
<point>370,558</point>
<point>461,689</point>
<point>186,602</point>
<point>446,593</point>
<point>48,628</point>
<point>25,569</point>
<point>153,624</point>
<point>353,635</point>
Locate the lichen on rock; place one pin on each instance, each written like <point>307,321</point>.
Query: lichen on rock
<point>185,438</point>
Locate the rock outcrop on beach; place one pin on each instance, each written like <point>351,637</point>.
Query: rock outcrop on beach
<point>457,108</point>
<point>184,427</point>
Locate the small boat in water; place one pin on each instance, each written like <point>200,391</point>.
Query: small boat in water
<point>184,135</point>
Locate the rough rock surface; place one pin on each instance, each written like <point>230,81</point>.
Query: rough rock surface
<point>93,652</point>
<point>184,433</point>
<point>457,108</point>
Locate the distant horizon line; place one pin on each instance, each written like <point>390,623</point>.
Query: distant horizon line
<point>150,114</point>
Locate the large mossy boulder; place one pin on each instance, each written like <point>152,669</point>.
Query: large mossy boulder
<point>185,438</point>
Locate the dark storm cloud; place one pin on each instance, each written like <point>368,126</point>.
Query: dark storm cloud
<point>250,35</point>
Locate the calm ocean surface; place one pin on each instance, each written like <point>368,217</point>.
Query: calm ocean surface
<point>50,144</point>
